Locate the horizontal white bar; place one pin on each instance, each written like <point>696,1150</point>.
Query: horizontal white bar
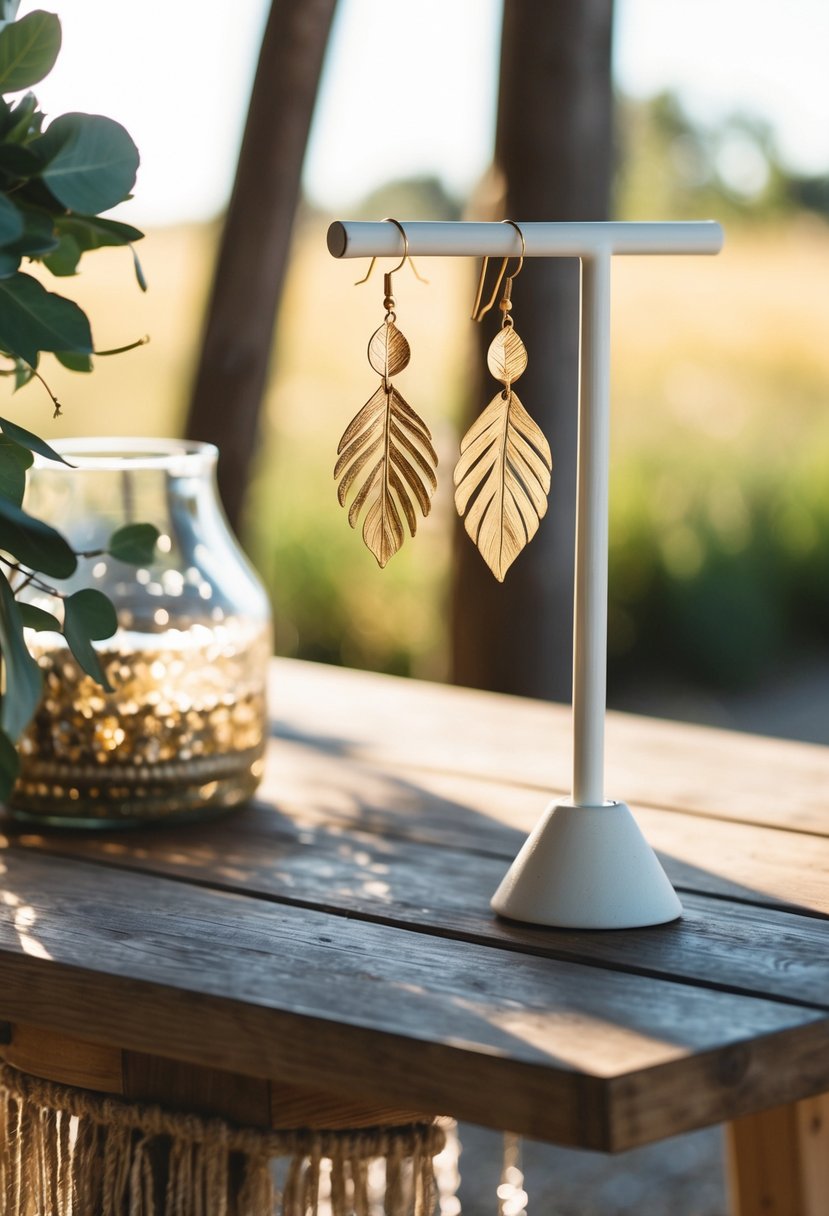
<point>429,238</point>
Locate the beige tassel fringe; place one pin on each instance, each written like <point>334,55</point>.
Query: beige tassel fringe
<point>70,1152</point>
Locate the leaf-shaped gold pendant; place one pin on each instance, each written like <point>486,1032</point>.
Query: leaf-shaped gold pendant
<point>505,464</point>
<point>388,351</point>
<point>389,439</point>
<point>507,356</point>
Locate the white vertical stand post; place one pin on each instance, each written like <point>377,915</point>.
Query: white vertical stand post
<point>586,864</point>
<point>590,614</point>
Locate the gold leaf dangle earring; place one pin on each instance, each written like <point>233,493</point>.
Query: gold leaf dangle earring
<point>505,463</point>
<point>389,440</point>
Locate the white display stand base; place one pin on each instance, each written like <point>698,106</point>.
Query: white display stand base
<point>587,867</point>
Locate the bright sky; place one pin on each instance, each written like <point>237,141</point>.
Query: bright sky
<point>409,86</point>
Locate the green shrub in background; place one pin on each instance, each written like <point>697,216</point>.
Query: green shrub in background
<point>331,602</point>
<point>716,575</point>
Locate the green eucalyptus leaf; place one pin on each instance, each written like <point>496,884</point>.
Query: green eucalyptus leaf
<point>23,373</point>
<point>35,544</point>
<point>93,612</point>
<point>11,221</point>
<point>38,618</point>
<point>94,232</point>
<point>73,362</point>
<point>33,319</point>
<point>9,263</point>
<point>64,260</point>
<point>28,50</point>
<point>134,543</point>
<point>139,270</point>
<point>14,461</point>
<point>90,161</point>
<point>23,677</point>
<point>38,236</point>
<point>9,766</point>
<point>28,439</point>
<point>17,161</point>
<point>89,616</point>
<point>24,121</point>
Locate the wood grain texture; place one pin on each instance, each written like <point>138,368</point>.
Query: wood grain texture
<point>743,943</point>
<point>202,1090</point>
<point>141,1077</point>
<point>335,937</point>
<point>295,1106</point>
<point>252,1101</point>
<point>404,1019</point>
<point>343,808</point>
<point>66,1059</point>
<point>779,1160</point>
<point>651,762</point>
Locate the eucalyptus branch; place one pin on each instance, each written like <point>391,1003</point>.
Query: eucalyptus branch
<point>27,581</point>
<point>30,579</point>
<point>120,350</point>
<point>58,408</point>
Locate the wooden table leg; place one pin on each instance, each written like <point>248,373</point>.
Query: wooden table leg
<point>779,1161</point>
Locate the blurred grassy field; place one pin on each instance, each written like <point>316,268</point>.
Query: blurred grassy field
<point>142,392</point>
<point>720,495</point>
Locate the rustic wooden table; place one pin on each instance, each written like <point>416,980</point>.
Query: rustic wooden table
<point>331,946</point>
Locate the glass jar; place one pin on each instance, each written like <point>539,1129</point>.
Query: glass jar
<point>183,733</point>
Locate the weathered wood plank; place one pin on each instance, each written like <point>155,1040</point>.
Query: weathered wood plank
<point>295,1106</point>
<point>321,798</point>
<point>735,946</point>
<point>140,1077</point>
<point>401,1018</point>
<point>739,1083</point>
<point>252,1101</point>
<point>650,761</point>
<point>66,1059</point>
<point>191,1087</point>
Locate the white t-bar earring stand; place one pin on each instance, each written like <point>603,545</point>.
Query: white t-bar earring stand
<point>586,865</point>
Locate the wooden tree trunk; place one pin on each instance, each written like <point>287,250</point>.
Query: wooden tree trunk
<point>554,149</point>
<point>250,269</point>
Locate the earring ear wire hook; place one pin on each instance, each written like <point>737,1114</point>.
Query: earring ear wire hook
<point>478,312</point>
<point>406,258</point>
<point>520,265</point>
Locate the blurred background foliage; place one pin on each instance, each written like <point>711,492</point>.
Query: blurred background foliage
<point>720,491</point>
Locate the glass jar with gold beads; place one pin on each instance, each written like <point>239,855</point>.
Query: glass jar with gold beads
<point>182,735</point>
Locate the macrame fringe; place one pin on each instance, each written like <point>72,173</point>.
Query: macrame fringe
<point>70,1152</point>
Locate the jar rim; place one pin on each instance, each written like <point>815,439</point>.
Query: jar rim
<point>117,452</point>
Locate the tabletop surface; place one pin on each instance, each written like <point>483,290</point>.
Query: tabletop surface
<point>336,933</point>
